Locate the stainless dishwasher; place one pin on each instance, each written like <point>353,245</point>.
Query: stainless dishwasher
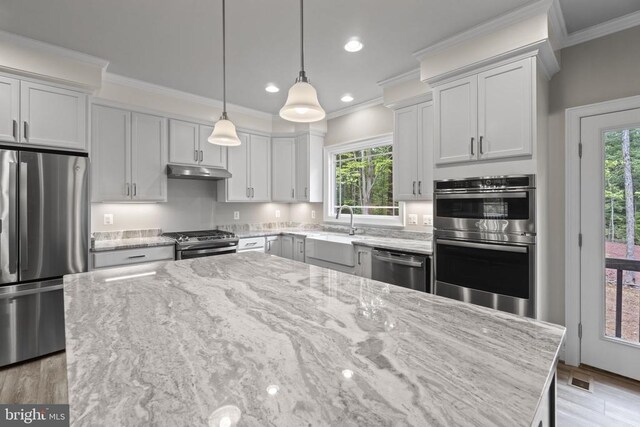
<point>402,269</point>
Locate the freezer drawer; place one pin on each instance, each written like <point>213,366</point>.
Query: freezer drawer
<point>31,320</point>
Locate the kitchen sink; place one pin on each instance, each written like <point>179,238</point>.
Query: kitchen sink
<point>331,248</point>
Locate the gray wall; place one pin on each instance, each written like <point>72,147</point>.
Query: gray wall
<point>599,70</point>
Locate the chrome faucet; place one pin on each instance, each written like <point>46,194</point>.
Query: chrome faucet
<point>352,230</point>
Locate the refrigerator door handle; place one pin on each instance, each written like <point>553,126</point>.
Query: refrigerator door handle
<point>24,217</point>
<point>13,256</point>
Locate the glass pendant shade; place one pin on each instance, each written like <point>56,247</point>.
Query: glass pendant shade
<point>302,104</point>
<point>224,133</point>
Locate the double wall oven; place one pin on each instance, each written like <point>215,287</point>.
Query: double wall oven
<point>485,241</point>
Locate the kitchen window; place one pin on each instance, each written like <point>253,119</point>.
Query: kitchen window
<point>360,174</point>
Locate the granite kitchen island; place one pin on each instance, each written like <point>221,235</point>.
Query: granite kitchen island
<point>262,340</point>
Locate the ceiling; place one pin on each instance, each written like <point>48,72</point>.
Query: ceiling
<point>581,14</point>
<point>177,43</point>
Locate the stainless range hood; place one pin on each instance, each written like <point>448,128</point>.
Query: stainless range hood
<point>197,172</point>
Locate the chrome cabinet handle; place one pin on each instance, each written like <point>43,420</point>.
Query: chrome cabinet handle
<point>359,262</point>
<point>268,245</point>
<point>127,189</point>
<point>420,188</point>
<point>248,193</point>
<point>195,155</point>
<point>253,192</point>
<point>135,190</point>
<point>137,256</point>
<point>26,130</point>
<point>472,139</point>
<point>414,188</point>
<point>15,130</point>
<point>293,193</point>
<point>305,192</point>
<point>24,217</point>
<point>201,155</point>
<point>480,143</point>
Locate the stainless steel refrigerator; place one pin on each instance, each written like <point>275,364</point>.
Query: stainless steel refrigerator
<point>43,236</point>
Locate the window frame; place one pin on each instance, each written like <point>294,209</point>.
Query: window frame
<point>330,152</point>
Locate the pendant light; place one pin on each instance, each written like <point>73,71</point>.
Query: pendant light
<point>302,104</point>
<point>224,132</point>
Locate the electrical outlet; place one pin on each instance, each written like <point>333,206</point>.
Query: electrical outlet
<point>236,215</point>
<point>313,214</point>
<point>108,219</point>
<point>413,219</point>
<point>427,220</point>
<point>277,213</point>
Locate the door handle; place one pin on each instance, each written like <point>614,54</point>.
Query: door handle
<point>135,190</point>
<point>195,155</point>
<point>480,145</point>
<point>359,262</point>
<point>472,139</point>
<point>400,261</point>
<point>26,131</point>
<point>485,246</point>
<point>15,130</point>
<point>413,191</point>
<point>420,188</point>
<point>24,217</point>
<point>13,258</point>
<point>201,155</point>
<point>127,189</point>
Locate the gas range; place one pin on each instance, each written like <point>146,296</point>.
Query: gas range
<point>196,244</point>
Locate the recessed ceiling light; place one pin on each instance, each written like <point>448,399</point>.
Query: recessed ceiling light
<point>271,88</point>
<point>346,98</point>
<point>353,45</point>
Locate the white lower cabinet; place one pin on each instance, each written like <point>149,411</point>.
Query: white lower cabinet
<point>286,247</point>
<point>298,248</point>
<point>128,156</point>
<point>363,261</point>
<point>122,257</point>
<point>251,244</point>
<point>273,245</point>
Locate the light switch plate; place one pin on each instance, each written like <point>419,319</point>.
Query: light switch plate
<point>413,219</point>
<point>313,214</point>
<point>277,213</point>
<point>236,214</point>
<point>427,220</point>
<point>108,219</point>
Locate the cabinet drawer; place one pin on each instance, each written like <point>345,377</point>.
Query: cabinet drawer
<point>132,256</point>
<point>251,243</point>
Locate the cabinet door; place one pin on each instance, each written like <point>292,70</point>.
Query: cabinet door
<point>148,158</point>
<point>110,154</point>
<point>53,116</point>
<point>302,168</point>
<point>273,245</point>
<point>505,108</point>
<point>425,151</point>
<point>298,249</point>
<point>260,168</point>
<point>286,247</point>
<point>211,154</point>
<point>183,142</point>
<point>9,109</point>
<point>237,161</point>
<point>363,261</point>
<point>405,151</point>
<point>456,121</point>
<point>283,187</point>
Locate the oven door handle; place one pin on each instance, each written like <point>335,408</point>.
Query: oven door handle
<point>208,251</point>
<point>398,261</point>
<point>490,247</point>
<point>485,195</point>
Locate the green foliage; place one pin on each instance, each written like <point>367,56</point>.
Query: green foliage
<point>364,178</point>
<point>614,184</point>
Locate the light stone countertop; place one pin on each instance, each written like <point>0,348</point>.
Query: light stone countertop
<point>187,339</point>
<point>131,243</point>
<point>409,245</point>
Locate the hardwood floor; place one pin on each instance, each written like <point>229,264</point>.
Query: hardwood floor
<point>615,401</point>
<point>43,380</point>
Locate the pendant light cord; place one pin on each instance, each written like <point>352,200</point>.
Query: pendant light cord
<point>302,35</point>
<point>224,64</point>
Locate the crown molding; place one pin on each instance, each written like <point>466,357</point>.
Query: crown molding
<point>354,108</point>
<point>54,50</point>
<point>400,78</point>
<point>601,30</point>
<point>501,21</point>
<point>185,96</point>
<point>414,100</point>
<point>557,25</point>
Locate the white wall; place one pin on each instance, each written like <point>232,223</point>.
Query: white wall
<point>599,70</point>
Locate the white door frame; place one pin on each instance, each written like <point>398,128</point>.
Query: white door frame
<point>572,215</point>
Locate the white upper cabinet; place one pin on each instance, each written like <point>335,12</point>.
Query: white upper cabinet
<point>308,165</point>
<point>456,120</point>
<point>148,157</point>
<point>505,111</point>
<point>128,156</point>
<point>110,154</point>
<point>284,170</point>
<point>183,142</point>
<point>52,116</point>
<point>9,109</point>
<point>210,154</point>
<point>302,168</point>
<point>260,168</point>
<point>237,187</point>
<point>485,116</point>
<point>413,152</point>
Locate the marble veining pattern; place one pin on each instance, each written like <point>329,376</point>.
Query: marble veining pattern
<point>131,243</point>
<point>213,334</point>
